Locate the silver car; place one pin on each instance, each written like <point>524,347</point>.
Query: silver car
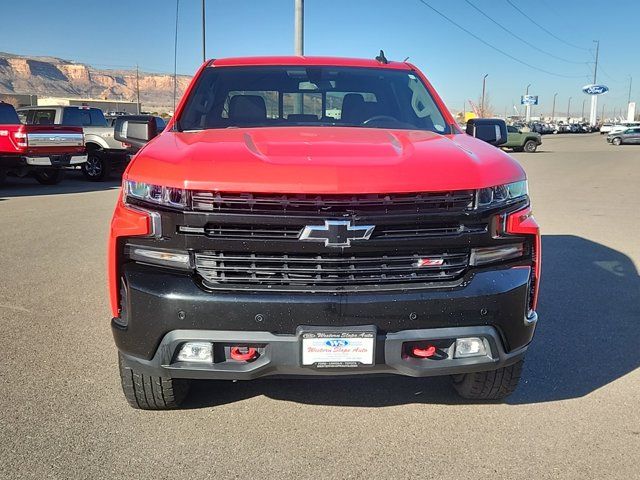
<point>630,135</point>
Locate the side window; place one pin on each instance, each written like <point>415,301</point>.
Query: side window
<point>96,118</point>
<point>511,129</point>
<point>44,117</point>
<point>8,115</point>
<point>71,116</point>
<point>270,101</point>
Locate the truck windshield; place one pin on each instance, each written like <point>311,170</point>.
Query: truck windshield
<point>227,97</point>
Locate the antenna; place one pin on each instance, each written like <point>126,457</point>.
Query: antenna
<point>381,58</point>
<point>175,59</point>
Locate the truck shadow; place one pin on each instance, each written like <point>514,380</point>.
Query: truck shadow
<point>73,182</point>
<point>587,337</point>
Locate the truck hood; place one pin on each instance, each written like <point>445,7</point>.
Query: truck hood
<point>321,160</point>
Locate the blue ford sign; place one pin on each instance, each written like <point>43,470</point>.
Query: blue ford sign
<point>529,100</point>
<point>595,89</point>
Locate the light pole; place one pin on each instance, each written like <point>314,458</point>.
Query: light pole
<point>527,107</point>
<point>629,119</point>
<point>204,34</point>
<point>553,109</point>
<point>568,109</point>
<point>298,29</point>
<point>175,59</point>
<point>594,98</point>
<point>582,115</point>
<point>484,83</point>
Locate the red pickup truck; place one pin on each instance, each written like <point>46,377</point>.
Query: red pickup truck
<point>42,151</point>
<point>320,216</point>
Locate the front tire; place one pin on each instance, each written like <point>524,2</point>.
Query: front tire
<point>617,141</point>
<point>530,146</point>
<point>148,392</point>
<point>489,385</point>
<point>97,168</point>
<point>49,176</point>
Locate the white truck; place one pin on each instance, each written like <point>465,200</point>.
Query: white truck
<point>104,152</point>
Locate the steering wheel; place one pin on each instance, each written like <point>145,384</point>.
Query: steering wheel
<point>375,118</point>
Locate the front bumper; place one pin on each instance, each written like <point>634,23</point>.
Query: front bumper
<point>281,355</point>
<point>163,309</point>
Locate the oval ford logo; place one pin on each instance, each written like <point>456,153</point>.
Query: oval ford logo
<point>595,89</point>
<point>336,343</point>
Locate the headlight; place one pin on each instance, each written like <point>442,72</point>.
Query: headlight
<point>146,192</point>
<point>502,193</point>
<point>167,258</point>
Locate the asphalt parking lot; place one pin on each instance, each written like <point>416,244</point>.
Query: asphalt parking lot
<point>575,415</point>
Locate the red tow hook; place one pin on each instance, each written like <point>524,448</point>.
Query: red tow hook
<point>243,354</point>
<point>428,352</point>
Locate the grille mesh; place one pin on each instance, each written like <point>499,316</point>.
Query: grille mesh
<point>452,201</point>
<point>219,269</point>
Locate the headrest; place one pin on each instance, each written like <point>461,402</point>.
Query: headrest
<point>247,108</point>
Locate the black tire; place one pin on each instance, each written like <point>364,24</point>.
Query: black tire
<point>489,385</point>
<point>530,146</point>
<point>148,392</point>
<point>49,176</point>
<point>617,141</point>
<point>97,168</point>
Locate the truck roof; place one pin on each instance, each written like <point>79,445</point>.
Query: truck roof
<point>304,60</point>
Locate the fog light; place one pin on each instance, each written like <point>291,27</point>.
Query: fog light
<point>196,352</point>
<point>470,347</point>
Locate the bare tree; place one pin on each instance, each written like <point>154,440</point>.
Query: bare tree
<point>12,100</point>
<point>489,111</point>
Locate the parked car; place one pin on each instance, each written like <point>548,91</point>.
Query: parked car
<point>606,128</point>
<point>42,151</point>
<point>630,135</point>
<point>104,153</point>
<point>521,141</point>
<point>622,126</point>
<point>256,236</point>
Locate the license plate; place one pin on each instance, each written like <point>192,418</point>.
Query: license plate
<point>338,349</point>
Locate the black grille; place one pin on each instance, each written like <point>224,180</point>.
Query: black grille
<point>334,205</point>
<point>219,270</point>
<point>292,232</point>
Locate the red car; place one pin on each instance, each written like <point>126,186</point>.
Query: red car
<point>42,151</point>
<point>320,216</point>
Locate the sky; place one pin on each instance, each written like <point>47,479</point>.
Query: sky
<point>558,48</point>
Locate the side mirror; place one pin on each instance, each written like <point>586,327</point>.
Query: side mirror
<point>135,130</point>
<point>490,130</point>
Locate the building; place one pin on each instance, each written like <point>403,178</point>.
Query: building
<point>105,105</point>
<point>18,99</point>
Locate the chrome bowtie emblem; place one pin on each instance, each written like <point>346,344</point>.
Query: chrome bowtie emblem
<point>336,233</point>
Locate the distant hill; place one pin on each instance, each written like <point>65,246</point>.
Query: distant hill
<point>56,77</point>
